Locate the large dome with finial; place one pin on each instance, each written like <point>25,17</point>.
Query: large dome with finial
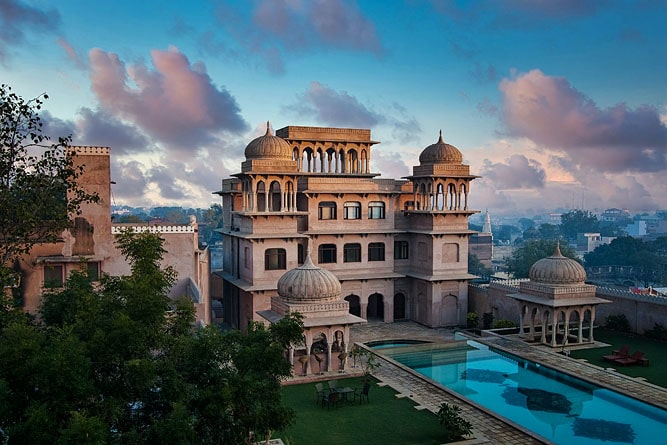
<point>557,269</point>
<point>440,153</point>
<point>309,284</point>
<point>268,147</point>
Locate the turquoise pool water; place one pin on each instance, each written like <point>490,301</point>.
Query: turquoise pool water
<point>556,406</point>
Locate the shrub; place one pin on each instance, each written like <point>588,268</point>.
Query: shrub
<point>456,427</point>
<point>487,320</point>
<point>617,322</point>
<point>473,320</point>
<point>504,324</point>
<point>659,332</point>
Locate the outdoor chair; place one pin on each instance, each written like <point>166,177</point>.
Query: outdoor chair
<point>333,385</point>
<point>320,392</point>
<point>621,353</point>
<point>331,399</point>
<point>362,393</point>
<point>630,360</point>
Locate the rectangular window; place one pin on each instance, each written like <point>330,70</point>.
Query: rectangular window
<point>327,210</point>
<point>93,268</point>
<point>53,276</point>
<point>401,250</point>
<point>376,210</point>
<point>376,252</point>
<point>275,259</point>
<point>352,210</point>
<point>352,253</point>
<point>326,253</point>
<point>246,257</point>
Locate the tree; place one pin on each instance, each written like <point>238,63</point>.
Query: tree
<point>519,263</point>
<point>476,267</point>
<point>120,363</point>
<point>578,221</point>
<point>38,180</point>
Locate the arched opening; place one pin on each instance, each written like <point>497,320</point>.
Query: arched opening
<point>261,197</point>
<point>352,161</point>
<point>375,309</point>
<point>355,304</point>
<point>451,192</point>
<point>276,197</point>
<point>399,306</point>
<point>450,310</point>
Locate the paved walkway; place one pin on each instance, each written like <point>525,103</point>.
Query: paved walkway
<point>486,427</point>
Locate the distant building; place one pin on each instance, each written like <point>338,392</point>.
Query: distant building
<point>616,215</point>
<point>636,229</point>
<point>588,242</point>
<point>481,244</point>
<point>90,244</point>
<point>398,247</point>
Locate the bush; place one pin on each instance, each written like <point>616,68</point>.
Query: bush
<point>487,320</point>
<point>456,427</point>
<point>659,332</point>
<point>504,324</point>
<point>617,323</point>
<point>473,320</point>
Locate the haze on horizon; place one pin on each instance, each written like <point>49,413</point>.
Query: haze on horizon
<point>555,104</point>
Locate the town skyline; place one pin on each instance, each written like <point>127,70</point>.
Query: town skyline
<point>554,105</point>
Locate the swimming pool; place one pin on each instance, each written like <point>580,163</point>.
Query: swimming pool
<point>383,344</point>
<point>556,406</point>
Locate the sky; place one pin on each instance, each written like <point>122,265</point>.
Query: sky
<point>557,105</point>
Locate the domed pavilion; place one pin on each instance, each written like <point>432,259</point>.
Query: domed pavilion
<point>316,294</point>
<point>556,304</point>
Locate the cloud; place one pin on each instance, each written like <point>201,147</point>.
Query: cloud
<point>71,53</point>
<point>18,20</point>
<point>130,182</point>
<point>516,173</point>
<point>102,128</point>
<point>174,102</point>
<point>552,113</point>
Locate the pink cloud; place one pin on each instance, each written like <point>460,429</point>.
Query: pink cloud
<point>173,101</point>
<point>552,113</point>
<point>71,53</point>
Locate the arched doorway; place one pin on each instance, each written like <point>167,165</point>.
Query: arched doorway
<point>355,305</point>
<point>399,306</point>
<point>375,310</point>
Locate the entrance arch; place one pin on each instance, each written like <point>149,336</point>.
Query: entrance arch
<point>355,304</point>
<point>375,310</point>
<point>399,306</point>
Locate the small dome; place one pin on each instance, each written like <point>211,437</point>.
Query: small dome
<point>440,153</point>
<point>309,284</point>
<point>268,146</point>
<point>557,269</point>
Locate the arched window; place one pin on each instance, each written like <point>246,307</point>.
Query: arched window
<point>327,210</point>
<point>352,253</point>
<point>326,253</point>
<point>376,210</point>
<point>352,210</point>
<point>376,252</point>
<point>275,259</point>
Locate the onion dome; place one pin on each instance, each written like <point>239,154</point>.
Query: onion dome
<point>268,147</point>
<point>441,153</point>
<point>309,284</point>
<point>557,269</point>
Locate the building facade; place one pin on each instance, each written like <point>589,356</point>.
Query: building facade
<point>90,243</point>
<point>398,246</point>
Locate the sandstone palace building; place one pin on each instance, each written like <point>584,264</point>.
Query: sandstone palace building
<point>398,246</point>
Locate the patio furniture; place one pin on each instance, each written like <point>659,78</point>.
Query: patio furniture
<point>333,385</point>
<point>620,353</point>
<point>362,393</point>
<point>320,392</point>
<point>635,358</point>
<point>345,393</point>
<point>331,399</point>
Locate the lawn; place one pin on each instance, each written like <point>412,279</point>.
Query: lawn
<point>385,419</point>
<point>655,351</point>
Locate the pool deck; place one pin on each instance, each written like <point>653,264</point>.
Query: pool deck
<point>487,428</point>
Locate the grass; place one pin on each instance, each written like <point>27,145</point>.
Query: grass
<point>384,420</point>
<point>655,373</point>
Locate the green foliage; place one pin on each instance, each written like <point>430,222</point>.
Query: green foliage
<point>487,320</point>
<point>648,259</point>
<point>618,323</point>
<point>120,363</point>
<point>500,324</point>
<point>472,320</point>
<point>521,260</point>
<point>658,332</point>
<point>476,267</point>
<point>456,427</point>
<point>578,221</point>
<point>366,359</point>
<point>38,179</point>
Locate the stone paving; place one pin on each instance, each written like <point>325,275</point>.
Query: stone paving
<point>488,428</point>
